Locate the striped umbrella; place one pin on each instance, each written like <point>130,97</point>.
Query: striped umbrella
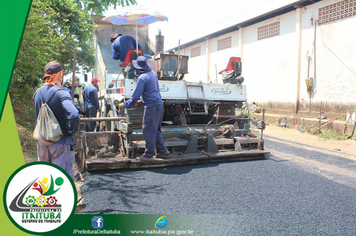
<point>138,15</point>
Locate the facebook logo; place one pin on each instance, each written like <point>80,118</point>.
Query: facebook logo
<point>97,222</point>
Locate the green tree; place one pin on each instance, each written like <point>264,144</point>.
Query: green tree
<point>97,7</point>
<point>54,29</point>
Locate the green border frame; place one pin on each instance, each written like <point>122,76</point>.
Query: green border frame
<point>31,164</point>
<point>13,17</point>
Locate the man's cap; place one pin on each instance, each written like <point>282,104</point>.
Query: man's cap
<point>141,63</point>
<point>95,79</point>
<point>53,67</point>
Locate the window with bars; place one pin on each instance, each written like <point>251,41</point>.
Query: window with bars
<point>337,11</point>
<point>269,30</point>
<point>224,43</point>
<point>195,52</point>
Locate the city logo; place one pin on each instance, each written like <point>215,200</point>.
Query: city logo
<point>221,91</point>
<point>39,197</point>
<point>97,222</point>
<point>161,222</point>
<point>163,88</point>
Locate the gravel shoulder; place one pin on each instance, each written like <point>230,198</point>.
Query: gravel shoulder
<point>347,147</point>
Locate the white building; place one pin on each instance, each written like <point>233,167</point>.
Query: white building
<point>278,53</point>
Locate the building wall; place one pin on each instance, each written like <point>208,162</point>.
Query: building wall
<point>270,64</point>
<point>275,68</point>
<point>211,61</point>
<point>335,58</point>
<point>220,58</point>
<point>197,66</point>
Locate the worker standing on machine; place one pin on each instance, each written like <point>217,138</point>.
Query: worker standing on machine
<point>147,87</point>
<point>91,102</point>
<point>120,44</point>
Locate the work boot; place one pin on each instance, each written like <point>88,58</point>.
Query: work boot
<point>144,158</point>
<point>163,154</point>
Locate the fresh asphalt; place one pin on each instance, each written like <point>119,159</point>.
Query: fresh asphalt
<point>296,190</point>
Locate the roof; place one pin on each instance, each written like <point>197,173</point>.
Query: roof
<point>279,11</point>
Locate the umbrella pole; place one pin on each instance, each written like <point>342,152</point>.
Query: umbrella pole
<point>136,40</point>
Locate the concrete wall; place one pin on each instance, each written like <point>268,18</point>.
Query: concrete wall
<point>197,66</point>
<point>335,58</point>
<point>270,65</point>
<point>211,61</point>
<point>220,58</point>
<point>275,68</point>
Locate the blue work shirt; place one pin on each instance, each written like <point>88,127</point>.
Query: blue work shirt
<point>68,89</point>
<point>63,108</point>
<point>120,46</point>
<point>147,87</point>
<point>70,93</point>
<point>90,96</point>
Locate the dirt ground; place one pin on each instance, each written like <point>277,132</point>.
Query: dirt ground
<point>347,147</point>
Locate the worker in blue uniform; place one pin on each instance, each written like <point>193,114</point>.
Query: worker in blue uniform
<point>91,102</point>
<point>68,86</point>
<point>120,44</point>
<point>148,89</point>
<point>59,153</point>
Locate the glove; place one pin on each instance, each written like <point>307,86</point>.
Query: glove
<point>76,95</point>
<point>82,113</point>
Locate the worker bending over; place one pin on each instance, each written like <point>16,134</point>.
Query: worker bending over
<point>120,44</point>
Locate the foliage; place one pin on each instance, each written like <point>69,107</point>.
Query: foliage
<point>330,134</point>
<point>314,131</point>
<point>54,29</point>
<point>97,7</point>
<point>25,117</point>
<point>301,126</point>
<point>22,105</point>
<point>28,143</point>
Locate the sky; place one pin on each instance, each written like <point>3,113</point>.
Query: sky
<point>191,19</point>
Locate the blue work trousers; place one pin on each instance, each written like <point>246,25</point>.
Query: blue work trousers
<point>90,111</point>
<point>151,127</point>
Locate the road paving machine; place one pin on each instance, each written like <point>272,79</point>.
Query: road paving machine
<point>203,122</point>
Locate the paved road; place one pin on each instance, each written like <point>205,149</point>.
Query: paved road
<point>296,190</point>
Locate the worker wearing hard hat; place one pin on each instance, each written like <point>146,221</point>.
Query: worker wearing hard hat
<point>147,88</point>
